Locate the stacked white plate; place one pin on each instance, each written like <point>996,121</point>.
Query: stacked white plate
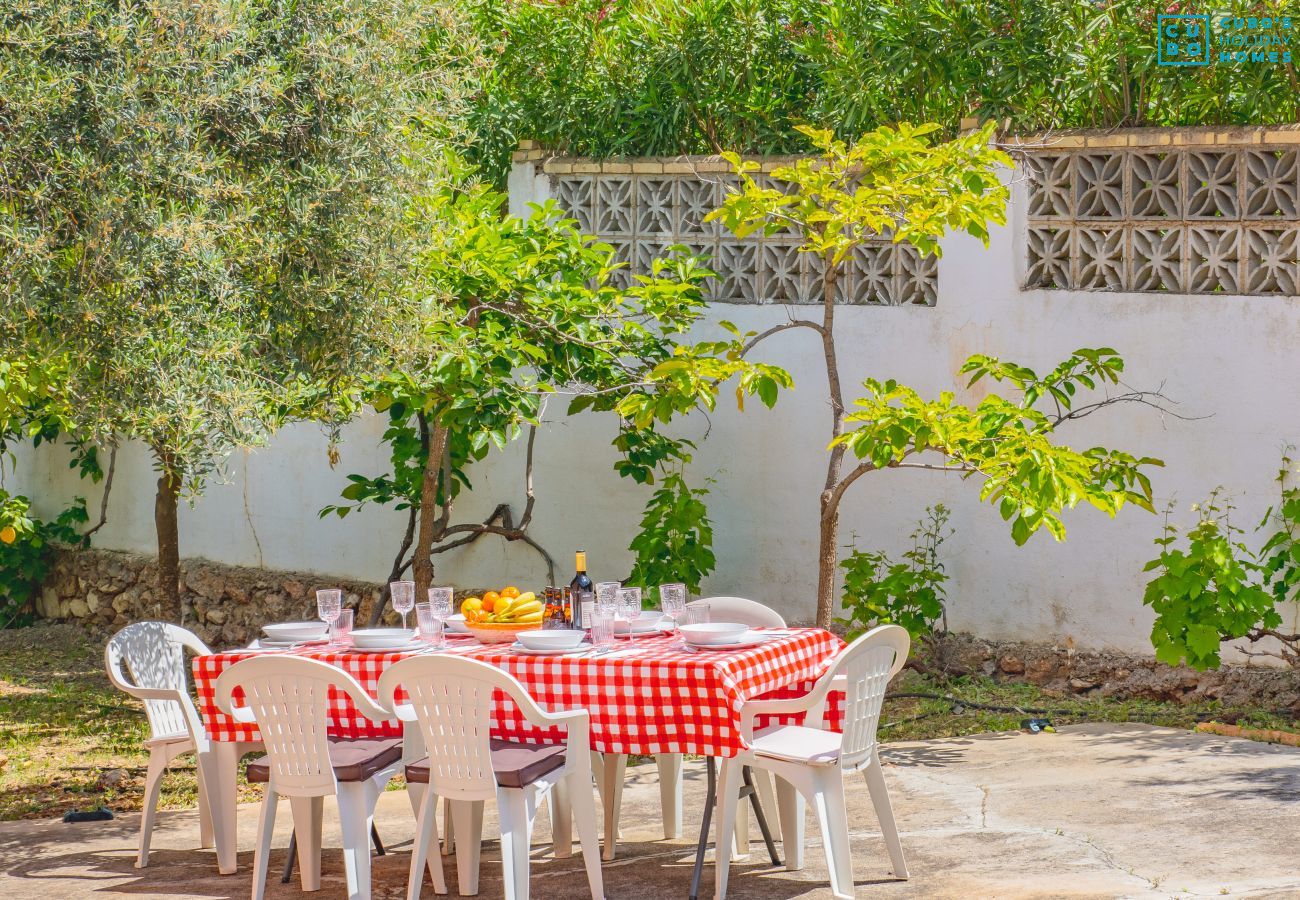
<point>290,634</point>
<point>384,639</point>
<point>720,636</point>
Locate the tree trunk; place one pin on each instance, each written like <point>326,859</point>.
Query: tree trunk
<point>435,441</point>
<point>829,512</point>
<point>165,508</point>
<point>827,562</point>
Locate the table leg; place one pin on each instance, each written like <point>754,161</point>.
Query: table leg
<point>220,767</point>
<point>615,773</point>
<point>711,765</point>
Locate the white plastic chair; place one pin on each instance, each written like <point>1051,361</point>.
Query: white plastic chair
<point>451,700</point>
<point>154,654</point>
<point>612,770</point>
<point>812,761</point>
<point>288,698</point>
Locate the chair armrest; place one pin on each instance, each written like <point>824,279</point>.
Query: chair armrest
<point>752,709</point>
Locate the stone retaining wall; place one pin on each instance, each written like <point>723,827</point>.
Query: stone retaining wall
<point>224,605</point>
<point>1069,671</point>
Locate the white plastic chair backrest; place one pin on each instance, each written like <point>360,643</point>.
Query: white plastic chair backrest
<point>741,611</point>
<point>289,699</point>
<point>451,699</point>
<point>867,665</point>
<point>155,660</point>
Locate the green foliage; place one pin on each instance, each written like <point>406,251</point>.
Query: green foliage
<point>202,205</point>
<point>675,543</point>
<point>650,77</point>
<point>910,592</point>
<point>25,545</point>
<point>888,181</point>
<point>1211,587</point>
<point>1006,443</point>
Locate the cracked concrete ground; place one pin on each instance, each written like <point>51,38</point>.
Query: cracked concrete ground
<point>1094,811</point>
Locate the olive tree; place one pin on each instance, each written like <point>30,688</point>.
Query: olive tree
<point>202,211</point>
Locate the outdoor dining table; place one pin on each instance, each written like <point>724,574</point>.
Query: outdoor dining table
<point>648,696</point>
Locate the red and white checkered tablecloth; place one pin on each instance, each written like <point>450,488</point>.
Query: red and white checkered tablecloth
<point>653,698</point>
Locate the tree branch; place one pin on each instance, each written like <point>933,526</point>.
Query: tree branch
<point>776,329</point>
<point>108,488</point>
<point>1155,399</point>
<point>400,565</point>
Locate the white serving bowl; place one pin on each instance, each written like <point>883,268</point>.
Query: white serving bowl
<point>647,622</point>
<point>381,638</point>
<point>714,632</point>
<point>456,623</point>
<point>295,631</point>
<point>551,639</point>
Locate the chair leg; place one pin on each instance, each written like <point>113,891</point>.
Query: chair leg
<point>448,829</point>
<point>207,834</point>
<point>262,855</point>
<point>670,793</point>
<point>767,797</point>
<point>728,800</point>
<point>615,773</point>
<point>424,852</point>
<point>307,816</point>
<point>516,809</point>
<point>152,786</point>
<point>828,800</point>
<point>875,778</point>
<point>468,816</point>
<point>790,809</point>
<point>584,814</point>
<point>561,820</point>
<point>356,817</point>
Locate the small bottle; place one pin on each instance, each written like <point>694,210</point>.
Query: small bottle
<point>567,606</point>
<point>550,617</point>
<point>583,592</point>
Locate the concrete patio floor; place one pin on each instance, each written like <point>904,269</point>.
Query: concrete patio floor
<point>1094,811</point>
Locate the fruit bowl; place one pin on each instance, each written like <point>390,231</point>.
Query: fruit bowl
<point>499,632</point>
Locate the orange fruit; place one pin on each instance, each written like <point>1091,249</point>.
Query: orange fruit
<point>490,600</point>
<point>511,592</point>
<point>8,536</point>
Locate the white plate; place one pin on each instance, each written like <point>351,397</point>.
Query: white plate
<point>660,627</point>
<point>520,648</point>
<point>752,639</point>
<point>413,645</point>
<point>295,631</point>
<point>381,638</point>
<point>269,643</point>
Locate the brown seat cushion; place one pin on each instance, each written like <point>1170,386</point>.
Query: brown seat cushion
<point>515,765</point>
<point>352,760</point>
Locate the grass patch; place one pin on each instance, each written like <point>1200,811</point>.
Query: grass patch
<point>72,741</point>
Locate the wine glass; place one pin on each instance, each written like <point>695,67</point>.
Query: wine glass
<point>403,594</point>
<point>607,595</point>
<point>672,599</point>
<point>329,603</point>
<point>440,604</point>
<point>629,607</point>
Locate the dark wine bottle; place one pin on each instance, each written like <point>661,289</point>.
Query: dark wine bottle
<point>583,591</point>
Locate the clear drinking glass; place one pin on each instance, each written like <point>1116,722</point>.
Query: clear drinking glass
<point>440,602</point>
<point>602,628</point>
<point>672,599</point>
<point>403,595</point>
<point>427,622</point>
<point>342,628</point>
<point>329,602</point>
<point>629,607</point>
<point>697,613</point>
<point>607,595</point>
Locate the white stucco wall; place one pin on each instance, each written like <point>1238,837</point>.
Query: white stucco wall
<point>1229,359</point>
